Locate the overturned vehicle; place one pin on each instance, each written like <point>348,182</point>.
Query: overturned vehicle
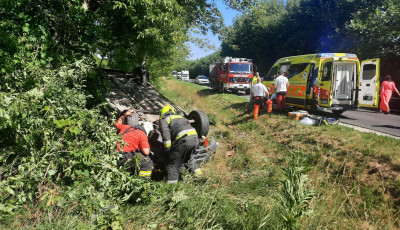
<point>206,146</point>
<point>145,103</point>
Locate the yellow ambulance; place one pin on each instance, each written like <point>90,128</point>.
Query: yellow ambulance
<point>328,81</point>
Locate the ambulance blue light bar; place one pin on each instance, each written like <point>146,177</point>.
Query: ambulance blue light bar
<point>329,55</point>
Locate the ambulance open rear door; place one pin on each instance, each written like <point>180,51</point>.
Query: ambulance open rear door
<point>325,82</point>
<point>368,88</point>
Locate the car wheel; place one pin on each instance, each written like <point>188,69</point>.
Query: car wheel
<point>247,91</point>
<point>201,122</point>
<point>132,120</point>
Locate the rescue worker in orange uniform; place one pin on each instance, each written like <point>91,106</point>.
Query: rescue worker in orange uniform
<point>135,138</point>
<point>180,142</point>
<point>281,85</point>
<point>250,105</point>
<point>260,95</point>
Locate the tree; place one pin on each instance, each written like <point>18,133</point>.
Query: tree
<point>276,29</point>
<point>201,66</point>
<point>125,32</point>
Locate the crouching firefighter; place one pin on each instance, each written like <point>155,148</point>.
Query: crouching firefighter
<point>135,138</point>
<point>180,142</point>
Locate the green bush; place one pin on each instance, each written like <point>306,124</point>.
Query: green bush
<point>56,153</point>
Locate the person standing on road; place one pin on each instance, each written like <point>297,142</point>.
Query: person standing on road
<point>260,94</point>
<point>180,142</point>
<point>386,90</point>
<point>134,139</point>
<point>281,85</point>
<point>256,76</point>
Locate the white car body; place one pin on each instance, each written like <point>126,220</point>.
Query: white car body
<point>202,80</point>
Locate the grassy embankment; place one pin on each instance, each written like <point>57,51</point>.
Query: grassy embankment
<point>269,174</point>
<point>354,176</point>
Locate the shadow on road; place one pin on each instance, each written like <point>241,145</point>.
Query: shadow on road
<point>387,126</point>
<point>375,110</point>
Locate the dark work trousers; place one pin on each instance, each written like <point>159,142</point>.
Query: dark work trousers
<point>181,153</point>
<point>145,163</point>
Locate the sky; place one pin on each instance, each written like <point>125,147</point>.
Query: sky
<point>229,16</point>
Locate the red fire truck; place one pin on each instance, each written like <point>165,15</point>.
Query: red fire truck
<point>232,74</point>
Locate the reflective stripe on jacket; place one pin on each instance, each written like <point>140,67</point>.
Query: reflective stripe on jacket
<point>174,127</point>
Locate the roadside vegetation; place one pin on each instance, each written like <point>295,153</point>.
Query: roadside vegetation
<point>349,179</point>
<point>273,173</point>
<point>57,141</point>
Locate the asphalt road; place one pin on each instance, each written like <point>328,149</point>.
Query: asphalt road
<point>373,120</point>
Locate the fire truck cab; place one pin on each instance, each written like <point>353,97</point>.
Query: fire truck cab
<point>232,74</point>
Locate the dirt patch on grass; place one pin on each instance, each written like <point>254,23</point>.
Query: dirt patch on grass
<point>383,173</point>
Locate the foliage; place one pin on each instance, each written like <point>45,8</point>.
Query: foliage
<point>57,154</point>
<point>149,30</point>
<point>276,29</point>
<point>201,66</point>
<point>124,33</point>
<point>51,31</point>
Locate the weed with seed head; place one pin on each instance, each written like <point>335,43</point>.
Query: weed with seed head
<point>295,194</point>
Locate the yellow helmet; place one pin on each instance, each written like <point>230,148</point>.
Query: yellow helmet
<point>166,109</point>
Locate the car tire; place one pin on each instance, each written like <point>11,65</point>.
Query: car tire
<point>201,122</point>
<point>132,120</point>
<point>247,91</point>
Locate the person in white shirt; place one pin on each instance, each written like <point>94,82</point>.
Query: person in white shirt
<point>260,94</point>
<point>281,85</point>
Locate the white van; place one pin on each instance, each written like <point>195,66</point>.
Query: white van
<point>185,75</point>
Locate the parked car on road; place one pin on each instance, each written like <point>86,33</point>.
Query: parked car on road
<point>202,80</point>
